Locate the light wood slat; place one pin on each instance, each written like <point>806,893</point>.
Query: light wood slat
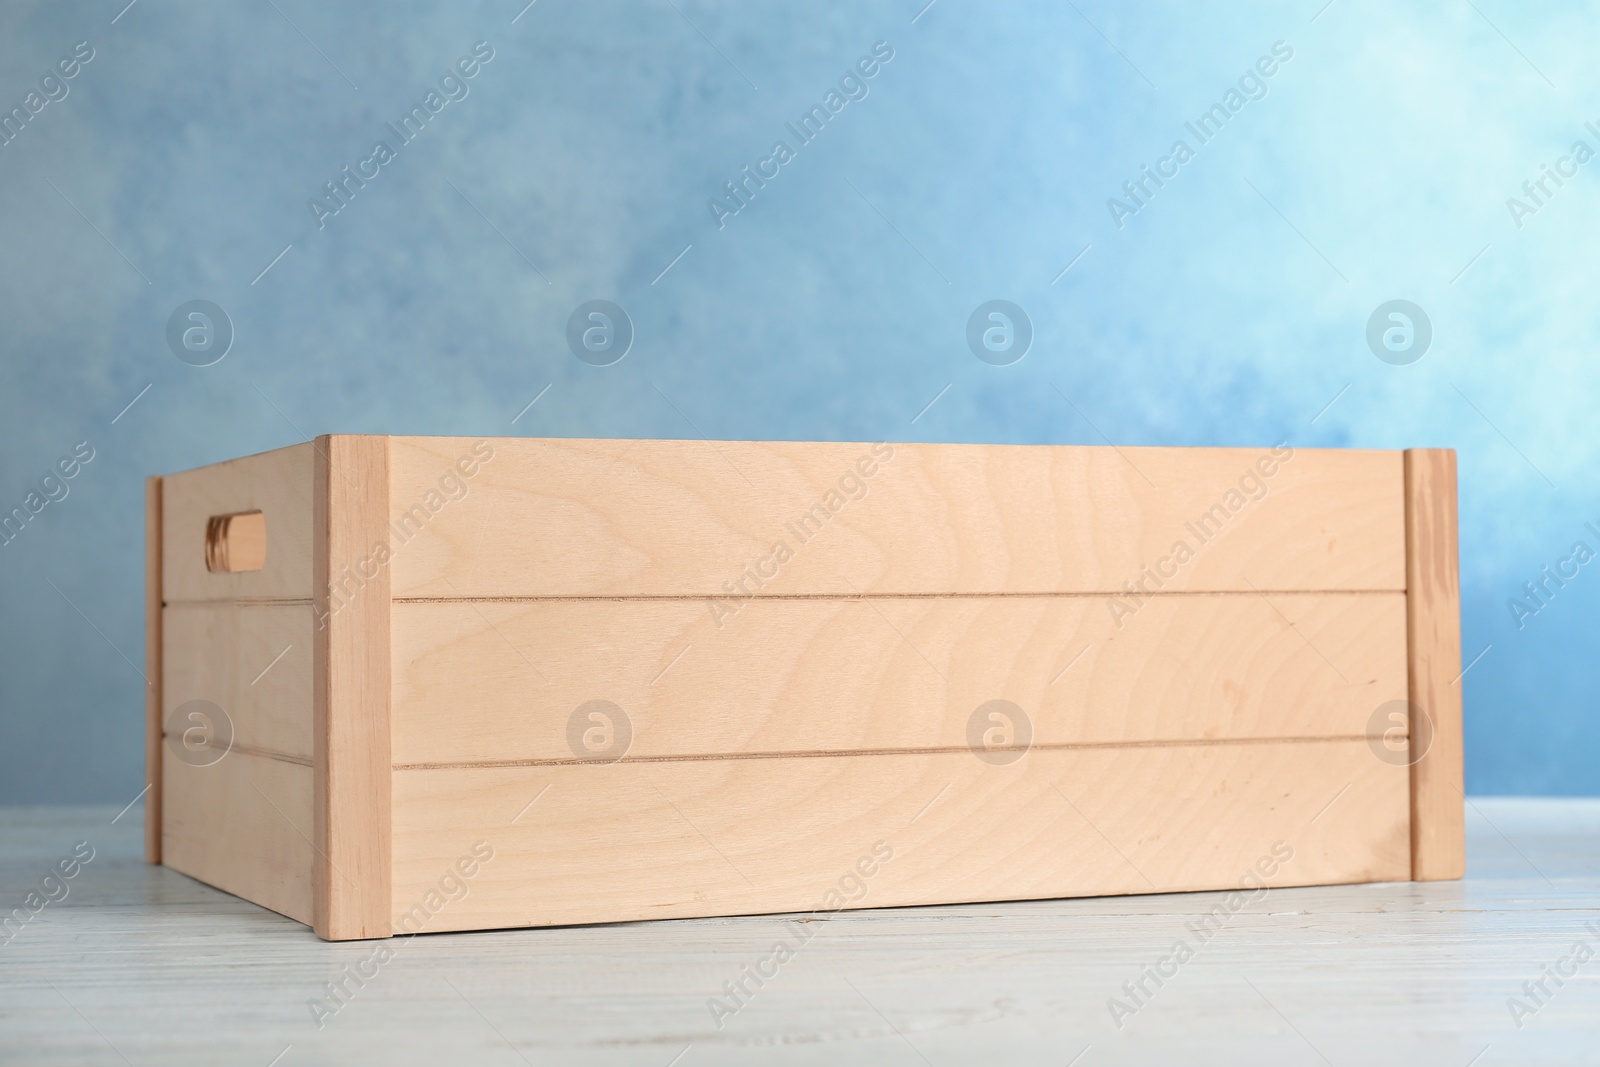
<point>478,682</point>
<point>1433,597</point>
<point>350,666</point>
<point>658,840</point>
<point>174,974</point>
<point>229,655</point>
<point>680,518</point>
<point>278,483</point>
<point>243,825</point>
<point>152,670</point>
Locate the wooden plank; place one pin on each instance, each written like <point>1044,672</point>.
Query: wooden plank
<point>1382,975</point>
<point>153,714</point>
<point>484,681</point>
<point>682,518</point>
<point>606,843</point>
<point>350,666</point>
<point>242,824</point>
<point>277,483</point>
<point>252,660</point>
<point>1433,625</point>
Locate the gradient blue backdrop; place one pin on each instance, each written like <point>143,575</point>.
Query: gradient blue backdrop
<point>1231,309</point>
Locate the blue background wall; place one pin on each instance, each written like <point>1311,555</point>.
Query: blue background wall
<point>1231,309</point>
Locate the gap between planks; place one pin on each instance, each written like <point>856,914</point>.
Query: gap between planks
<point>284,757</point>
<point>247,602</point>
<point>1054,746</point>
<point>1043,595</point>
<point>240,602</point>
<point>251,750</point>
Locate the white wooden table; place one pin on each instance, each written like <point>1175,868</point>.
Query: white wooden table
<point>141,965</point>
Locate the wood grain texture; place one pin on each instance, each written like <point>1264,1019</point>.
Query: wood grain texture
<point>1433,624</point>
<point>351,670</point>
<point>236,542</point>
<point>681,518</point>
<point>483,681</point>
<point>242,824</point>
<point>252,660</point>
<point>153,713</point>
<point>176,974</point>
<point>278,484</point>
<point>584,844</point>
<point>799,636</point>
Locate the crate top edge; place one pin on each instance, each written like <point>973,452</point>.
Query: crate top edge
<point>315,444</point>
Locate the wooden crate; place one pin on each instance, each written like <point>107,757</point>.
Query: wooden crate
<point>416,684</point>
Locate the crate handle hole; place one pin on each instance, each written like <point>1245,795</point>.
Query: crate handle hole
<point>236,543</point>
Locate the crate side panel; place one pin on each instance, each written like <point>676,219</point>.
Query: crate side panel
<point>481,681</point>
<point>279,485</point>
<point>604,843</point>
<point>528,517</point>
<point>253,661</point>
<point>242,824</point>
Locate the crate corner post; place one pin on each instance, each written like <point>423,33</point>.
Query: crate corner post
<point>152,669</point>
<point>1433,639</point>
<point>351,697</point>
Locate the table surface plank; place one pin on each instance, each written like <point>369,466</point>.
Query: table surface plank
<point>144,966</point>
